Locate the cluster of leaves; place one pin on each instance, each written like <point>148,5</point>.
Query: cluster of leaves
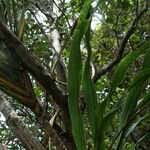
<point>116,114</point>
<point>129,110</point>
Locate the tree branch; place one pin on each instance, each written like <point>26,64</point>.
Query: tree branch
<point>123,44</point>
<point>19,128</point>
<point>33,66</point>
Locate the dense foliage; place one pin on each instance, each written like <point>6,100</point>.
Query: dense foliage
<point>76,72</point>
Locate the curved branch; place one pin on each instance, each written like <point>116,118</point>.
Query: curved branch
<point>123,44</point>
<point>33,65</point>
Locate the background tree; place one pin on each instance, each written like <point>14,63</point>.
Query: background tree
<point>74,84</point>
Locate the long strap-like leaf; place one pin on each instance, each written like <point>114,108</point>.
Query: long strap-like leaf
<point>143,138</point>
<point>131,100</point>
<point>118,77</point>
<point>124,64</point>
<point>75,76</point>
<point>88,89</point>
<point>144,74</point>
<point>21,23</point>
<point>144,102</point>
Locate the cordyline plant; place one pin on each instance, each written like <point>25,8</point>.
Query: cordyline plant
<point>20,68</point>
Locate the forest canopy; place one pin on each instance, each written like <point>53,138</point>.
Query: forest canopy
<point>74,74</point>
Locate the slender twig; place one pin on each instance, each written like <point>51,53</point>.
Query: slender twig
<point>65,44</point>
<point>115,29</point>
<point>60,82</point>
<point>63,14</point>
<point>136,7</point>
<point>39,24</point>
<point>15,16</point>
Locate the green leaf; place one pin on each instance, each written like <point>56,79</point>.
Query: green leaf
<point>21,23</point>
<point>131,100</point>
<point>125,4</point>
<point>134,125</point>
<point>89,90</point>
<point>124,64</point>
<point>108,118</point>
<point>145,101</point>
<point>146,63</point>
<point>110,20</point>
<point>74,77</point>
<point>143,138</point>
<point>129,108</point>
<point>104,122</point>
<point>143,74</point>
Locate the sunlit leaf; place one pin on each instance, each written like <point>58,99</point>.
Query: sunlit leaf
<point>74,78</point>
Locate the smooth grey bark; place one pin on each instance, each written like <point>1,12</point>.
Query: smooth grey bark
<point>60,67</point>
<point>19,129</point>
<point>2,146</point>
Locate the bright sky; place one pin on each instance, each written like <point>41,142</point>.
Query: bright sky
<point>95,19</point>
<point>2,118</point>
